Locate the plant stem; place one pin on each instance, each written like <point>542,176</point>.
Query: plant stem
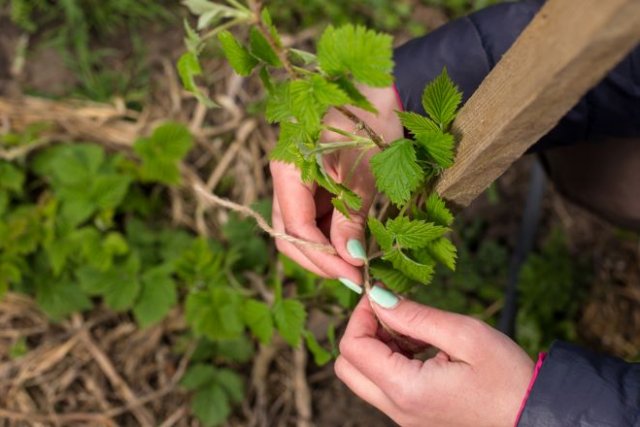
<point>223,27</point>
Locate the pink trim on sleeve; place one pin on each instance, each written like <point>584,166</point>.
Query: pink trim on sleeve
<point>536,370</point>
<point>398,98</point>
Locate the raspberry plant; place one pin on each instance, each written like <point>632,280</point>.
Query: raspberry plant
<point>302,86</point>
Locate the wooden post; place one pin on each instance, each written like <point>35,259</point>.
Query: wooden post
<point>567,49</point>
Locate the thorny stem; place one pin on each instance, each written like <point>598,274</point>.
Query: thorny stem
<point>256,7</point>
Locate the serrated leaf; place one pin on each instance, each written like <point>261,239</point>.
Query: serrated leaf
<point>257,317</point>
<point>396,171</point>
<point>11,177</point>
<point>119,286</point>
<point>357,98</point>
<point>162,152</point>
<point>413,234</point>
<point>197,376</point>
<point>440,147</point>
<point>441,99</point>
<point>215,313</point>
<point>310,99</point>
<point>60,297</point>
<point>231,383</point>
<point>392,278</point>
<point>290,317</point>
<point>238,56</point>
<point>437,211</point>
<point>423,273</point>
<point>380,233</point>
<point>443,251</point>
<point>302,57</point>
<point>211,405</point>
<point>356,50</point>
<point>188,69</point>
<point>158,296</point>
<point>320,356</point>
<point>266,18</point>
<point>261,49</point>
<point>278,108</point>
<point>293,137</point>
<point>416,123</point>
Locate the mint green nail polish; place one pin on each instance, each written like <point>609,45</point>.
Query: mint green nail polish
<point>349,284</point>
<point>355,249</point>
<point>383,297</point>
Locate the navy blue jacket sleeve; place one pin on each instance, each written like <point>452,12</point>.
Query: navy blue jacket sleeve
<point>576,387</point>
<point>471,46</point>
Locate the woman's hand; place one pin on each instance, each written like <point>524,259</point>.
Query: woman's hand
<point>479,377</point>
<point>305,211</point>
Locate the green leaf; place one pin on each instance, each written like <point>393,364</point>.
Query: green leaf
<point>162,152</point>
<point>422,273</point>
<point>210,13</point>
<point>198,376</point>
<point>60,297</point>
<point>257,317</point>
<point>278,108</point>
<point>440,147</point>
<point>441,99</point>
<point>444,251</point>
<point>238,56</point>
<point>320,356</point>
<point>11,177</point>
<point>396,171</point>
<point>290,317</point>
<point>357,98</point>
<point>392,278</point>
<point>310,99</point>
<point>416,123</point>
<point>261,49</point>
<point>382,236</point>
<point>188,69</point>
<point>358,51</point>
<point>413,234</point>
<point>157,298</point>
<point>119,286</point>
<point>302,57</point>
<point>211,405</point>
<point>231,383</point>
<point>215,313</point>
<point>438,212</point>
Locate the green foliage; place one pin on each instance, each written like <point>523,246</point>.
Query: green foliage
<point>550,294</point>
<point>238,56</point>
<point>356,51</point>
<point>397,171</point>
<point>215,391</point>
<point>162,151</point>
<point>441,99</point>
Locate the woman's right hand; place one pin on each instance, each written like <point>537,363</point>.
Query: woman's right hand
<point>305,211</point>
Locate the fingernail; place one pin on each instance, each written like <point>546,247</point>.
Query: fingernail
<point>356,250</point>
<point>349,284</point>
<point>383,297</point>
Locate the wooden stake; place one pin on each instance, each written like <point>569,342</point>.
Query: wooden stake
<point>567,49</point>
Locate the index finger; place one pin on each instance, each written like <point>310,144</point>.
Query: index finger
<point>298,209</point>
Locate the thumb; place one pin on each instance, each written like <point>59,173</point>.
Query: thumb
<point>347,236</point>
<point>455,334</point>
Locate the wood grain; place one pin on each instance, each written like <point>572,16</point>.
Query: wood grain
<point>568,47</point>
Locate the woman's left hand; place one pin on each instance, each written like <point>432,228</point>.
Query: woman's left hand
<point>479,377</point>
